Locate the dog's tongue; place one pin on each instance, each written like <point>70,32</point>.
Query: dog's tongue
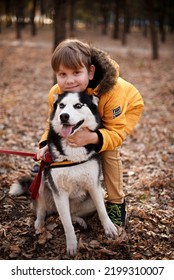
<point>66,130</point>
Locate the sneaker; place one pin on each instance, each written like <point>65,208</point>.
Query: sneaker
<point>117,213</point>
<point>35,169</point>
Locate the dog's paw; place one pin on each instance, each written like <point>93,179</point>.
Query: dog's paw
<point>111,230</point>
<point>71,247</point>
<point>21,186</point>
<point>79,221</point>
<point>16,189</point>
<point>39,224</point>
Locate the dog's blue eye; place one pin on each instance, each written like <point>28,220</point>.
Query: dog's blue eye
<point>61,105</point>
<point>78,106</point>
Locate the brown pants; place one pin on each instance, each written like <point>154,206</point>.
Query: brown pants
<point>113,176</point>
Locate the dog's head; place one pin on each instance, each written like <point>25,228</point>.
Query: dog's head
<point>73,111</point>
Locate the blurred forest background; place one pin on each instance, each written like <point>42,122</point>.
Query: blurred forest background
<point>139,35</point>
<point>115,17</point>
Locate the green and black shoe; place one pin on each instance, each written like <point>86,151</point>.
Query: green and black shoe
<point>117,213</point>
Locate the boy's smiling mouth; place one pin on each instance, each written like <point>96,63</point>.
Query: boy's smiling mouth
<point>71,88</point>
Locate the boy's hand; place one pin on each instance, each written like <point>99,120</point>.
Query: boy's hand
<point>83,137</point>
<point>41,152</point>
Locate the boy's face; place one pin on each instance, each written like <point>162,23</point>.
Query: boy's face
<point>74,80</point>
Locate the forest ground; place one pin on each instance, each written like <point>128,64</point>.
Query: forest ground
<point>148,154</point>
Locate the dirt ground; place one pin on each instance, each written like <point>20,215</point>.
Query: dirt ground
<point>148,154</point>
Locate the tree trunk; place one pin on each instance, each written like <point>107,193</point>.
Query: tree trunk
<point>124,24</point>
<point>105,24</point>
<point>33,12</point>
<point>127,17</point>
<point>116,21</point>
<point>104,9</point>
<point>19,7</point>
<point>154,39</point>
<point>59,24</point>
<point>162,21</point>
<point>8,13</point>
<point>59,21</point>
<point>71,18</point>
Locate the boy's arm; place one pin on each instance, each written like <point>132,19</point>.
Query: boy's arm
<point>122,108</point>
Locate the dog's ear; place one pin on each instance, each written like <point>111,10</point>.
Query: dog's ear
<point>95,100</point>
<point>55,96</point>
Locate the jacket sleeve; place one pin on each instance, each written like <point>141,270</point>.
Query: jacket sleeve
<point>120,110</point>
<point>54,90</point>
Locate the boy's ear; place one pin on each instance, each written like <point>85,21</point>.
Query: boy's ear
<point>91,72</point>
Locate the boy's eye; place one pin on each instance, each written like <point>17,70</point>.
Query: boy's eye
<point>61,105</point>
<point>61,74</point>
<point>78,106</point>
<point>77,72</point>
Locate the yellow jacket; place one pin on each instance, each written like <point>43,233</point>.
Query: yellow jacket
<point>120,103</point>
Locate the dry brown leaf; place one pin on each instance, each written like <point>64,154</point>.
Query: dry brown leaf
<point>46,235</point>
<point>15,249</point>
<point>106,251</point>
<point>51,226</point>
<point>81,245</point>
<point>94,244</point>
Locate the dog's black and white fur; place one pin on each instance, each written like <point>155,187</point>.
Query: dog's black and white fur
<point>75,191</point>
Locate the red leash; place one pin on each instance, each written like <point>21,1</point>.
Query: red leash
<point>34,188</point>
<point>11,152</point>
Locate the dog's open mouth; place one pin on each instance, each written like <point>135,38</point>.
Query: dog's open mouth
<point>67,129</point>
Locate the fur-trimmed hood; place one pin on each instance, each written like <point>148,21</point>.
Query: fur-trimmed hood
<point>106,73</point>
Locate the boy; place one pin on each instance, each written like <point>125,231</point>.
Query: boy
<point>79,67</point>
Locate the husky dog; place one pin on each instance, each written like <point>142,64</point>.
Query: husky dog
<point>74,190</point>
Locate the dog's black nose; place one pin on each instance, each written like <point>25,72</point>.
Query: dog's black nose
<point>64,117</point>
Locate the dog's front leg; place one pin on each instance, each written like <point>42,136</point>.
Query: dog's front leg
<point>63,208</point>
<point>40,208</point>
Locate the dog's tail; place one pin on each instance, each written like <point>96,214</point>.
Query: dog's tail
<point>21,186</point>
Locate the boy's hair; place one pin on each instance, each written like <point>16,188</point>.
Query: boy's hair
<point>72,54</point>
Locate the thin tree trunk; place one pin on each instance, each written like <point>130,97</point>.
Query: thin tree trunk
<point>116,21</point>
<point>33,12</point>
<point>71,18</point>
<point>19,7</point>
<point>124,24</point>
<point>162,21</point>
<point>59,19</point>
<point>154,39</point>
<point>59,24</point>
<point>104,8</point>
<point>8,13</point>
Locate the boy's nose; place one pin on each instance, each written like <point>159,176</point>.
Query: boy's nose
<point>70,80</point>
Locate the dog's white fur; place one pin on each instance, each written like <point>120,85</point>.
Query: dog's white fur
<point>75,191</point>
